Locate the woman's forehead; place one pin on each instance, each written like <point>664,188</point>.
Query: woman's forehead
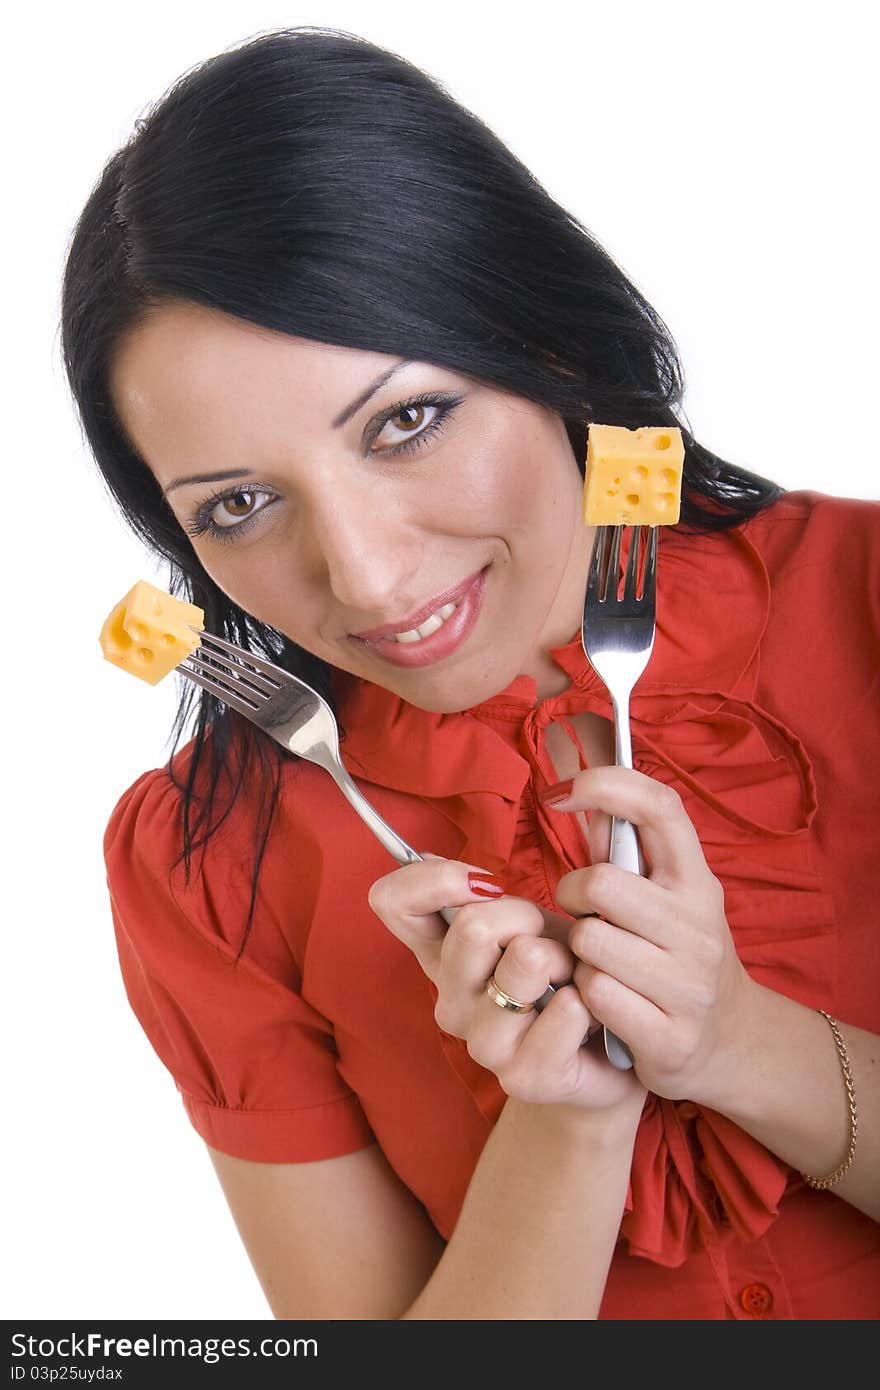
<point>187,378</point>
<point>207,346</point>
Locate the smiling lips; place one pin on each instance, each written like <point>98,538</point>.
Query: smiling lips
<point>433,632</point>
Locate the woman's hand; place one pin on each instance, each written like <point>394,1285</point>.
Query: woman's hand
<point>657,964</point>
<point>537,1057</point>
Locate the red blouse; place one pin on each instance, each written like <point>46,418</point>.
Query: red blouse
<point>759,705</point>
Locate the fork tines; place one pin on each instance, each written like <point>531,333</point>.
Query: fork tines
<point>232,674</point>
<point>605,564</point>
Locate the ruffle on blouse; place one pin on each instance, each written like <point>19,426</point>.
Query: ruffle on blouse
<point>747,784</point>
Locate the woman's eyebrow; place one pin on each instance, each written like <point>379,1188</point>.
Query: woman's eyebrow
<point>206,478</point>
<point>355,406</point>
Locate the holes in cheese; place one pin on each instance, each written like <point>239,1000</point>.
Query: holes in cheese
<point>633,477</point>
<point>149,632</point>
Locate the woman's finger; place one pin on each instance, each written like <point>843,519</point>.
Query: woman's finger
<point>638,964</point>
<point>560,1029</point>
<point>665,830</point>
<point>553,1048</point>
<point>525,1049</point>
<point>528,965</point>
<point>555,924</point>
<point>627,1013</point>
<point>503,939</point>
<point>409,900</point>
<point>638,904</point>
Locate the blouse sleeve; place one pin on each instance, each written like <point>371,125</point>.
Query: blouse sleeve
<point>255,1064</point>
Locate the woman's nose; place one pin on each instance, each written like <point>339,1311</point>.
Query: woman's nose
<point>366,552</point>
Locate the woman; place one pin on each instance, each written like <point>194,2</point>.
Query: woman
<point>336,353</point>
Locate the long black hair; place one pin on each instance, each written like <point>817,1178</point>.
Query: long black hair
<point>312,183</point>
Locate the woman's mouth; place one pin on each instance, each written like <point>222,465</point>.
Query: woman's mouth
<point>439,634</point>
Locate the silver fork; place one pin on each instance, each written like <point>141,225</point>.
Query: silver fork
<point>618,635</point>
<point>292,713</point>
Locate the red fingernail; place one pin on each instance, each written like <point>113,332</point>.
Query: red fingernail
<point>486,885</point>
<point>558,792</point>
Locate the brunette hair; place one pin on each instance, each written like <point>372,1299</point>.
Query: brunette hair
<point>312,183</point>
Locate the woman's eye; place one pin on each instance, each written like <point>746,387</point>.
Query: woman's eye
<point>226,514</point>
<point>237,507</point>
<point>407,421</point>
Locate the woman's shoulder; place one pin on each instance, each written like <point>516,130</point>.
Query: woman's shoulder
<point>813,525</point>
<point>821,556</point>
<point>800,580</point>
<point>217,987</point>
<point>290,803</point>
<point>154,804</point>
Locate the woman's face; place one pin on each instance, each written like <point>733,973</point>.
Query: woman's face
<point>331,492</point>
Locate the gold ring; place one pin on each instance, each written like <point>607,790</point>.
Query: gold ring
<point>504,1001</point>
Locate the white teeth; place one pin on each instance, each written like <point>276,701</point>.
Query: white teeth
<point>436,620</point>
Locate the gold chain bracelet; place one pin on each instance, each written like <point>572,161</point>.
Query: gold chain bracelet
<point>838,1173</point>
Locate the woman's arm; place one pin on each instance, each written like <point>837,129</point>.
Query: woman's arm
<point>659,967</point>
<point>781,1080</point>
<point>344,1239</point>
<point>540,1220</point>
<point>341,1238</point>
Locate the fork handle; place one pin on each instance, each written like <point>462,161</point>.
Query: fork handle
<point>626,853</point>
<point>395,844</point>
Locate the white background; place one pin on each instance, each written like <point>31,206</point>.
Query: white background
<point>724,154</point>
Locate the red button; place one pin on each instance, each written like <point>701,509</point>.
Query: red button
<point>687,1110</point>
<point>756,1299</point>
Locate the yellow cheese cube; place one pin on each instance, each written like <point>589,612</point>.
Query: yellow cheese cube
<point>633,477</point>
<point>149,633</point>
